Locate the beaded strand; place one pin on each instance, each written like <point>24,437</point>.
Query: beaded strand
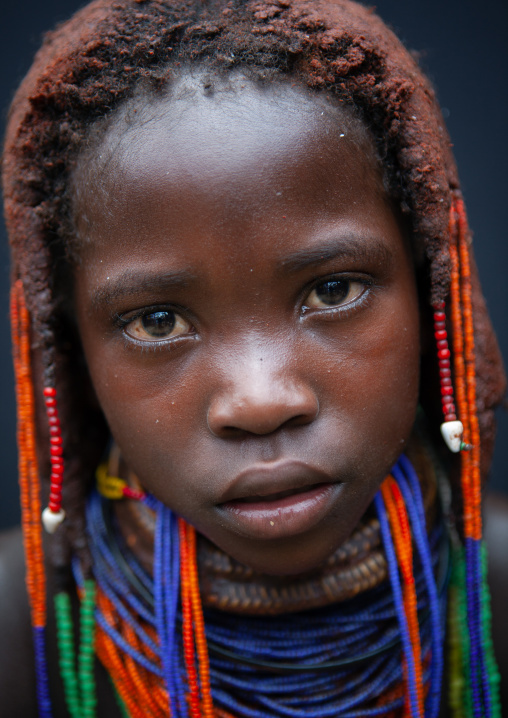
<point>29,491</point>
<point>459,686</point>
<point>485,699</point>
<point>401,534</point>
<point>391,558</point>
<point>471,486</point>
<point>409,485</point>
<point>79,686</point>
<point>53,514</point>
<point>65,640</point>
<point>199,624</point>
<point>167,569</point>
<point>187,625</point>
<point>486,620</point>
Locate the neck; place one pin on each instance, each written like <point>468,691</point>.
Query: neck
<point>356,566</point>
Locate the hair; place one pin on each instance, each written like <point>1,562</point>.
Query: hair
<point>110,50</point>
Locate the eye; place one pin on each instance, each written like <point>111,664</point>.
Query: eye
<point>157,326</point>
<point>334,293</point>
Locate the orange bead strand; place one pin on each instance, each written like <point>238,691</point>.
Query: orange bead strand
<point>187,628</point>
<point>199,625</point>
<point>28,466</point>
<point>402,540</point>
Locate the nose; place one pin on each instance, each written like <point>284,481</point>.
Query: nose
<point>259,400</point>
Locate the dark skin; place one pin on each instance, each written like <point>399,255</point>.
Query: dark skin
<point>247,302</point>
<point>248,310</point>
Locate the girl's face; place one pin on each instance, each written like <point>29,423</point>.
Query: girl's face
<point>248,310</point>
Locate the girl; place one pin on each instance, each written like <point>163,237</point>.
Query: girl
<point>242,272</point>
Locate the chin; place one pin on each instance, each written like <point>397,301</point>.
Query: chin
<point>287,557</point>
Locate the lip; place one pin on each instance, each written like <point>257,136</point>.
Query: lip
<point>278,500</point>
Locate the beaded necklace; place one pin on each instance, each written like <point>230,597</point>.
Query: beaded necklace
<point>344,660</point>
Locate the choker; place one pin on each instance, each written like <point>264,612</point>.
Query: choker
<point>358,565</point>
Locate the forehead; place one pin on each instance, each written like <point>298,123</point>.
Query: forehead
<point>235,143</point>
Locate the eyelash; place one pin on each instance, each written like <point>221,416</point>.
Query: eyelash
<point>122,321</point>
<point>348,307</point>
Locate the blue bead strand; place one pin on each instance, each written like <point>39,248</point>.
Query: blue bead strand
<point>393,571</point>
<point>41,670</point>
<point>414,504</point>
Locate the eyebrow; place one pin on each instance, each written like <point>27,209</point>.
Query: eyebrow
<point>134,283</point>
<point>352,248</point>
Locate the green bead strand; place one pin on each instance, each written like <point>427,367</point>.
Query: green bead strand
<point>455,680</point>
<point>79,686</point>
<point>87,651</point>
<point>486,624</point>
<point>65,640</point>
<point>459,689</point>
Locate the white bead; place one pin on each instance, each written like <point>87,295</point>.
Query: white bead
<point>452,433</point>
<point>52,519</point>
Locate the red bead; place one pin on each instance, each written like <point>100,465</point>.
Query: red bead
<point>51,411</point>
<point>443,353</point>
<point>57,469</point>
<point>56,450</point>
<point>56,440</point>
<point>55,495</point>
<point>445,372</point>
<point>448,409</point>
<point>446,381</point>
<point>133,493</point>
<point>50,401</point>
<point>49,391</point>
<point>442,344</point>
<point>439,326</point>
<point>54,430</point>
<point>54,420</point>
<point>441,334</point>
<point>54,505</point>
<point>446,390</point>
<point>439,317</point>
<point>444,363</point>
<point>56,479</point>
<point>450,417</point>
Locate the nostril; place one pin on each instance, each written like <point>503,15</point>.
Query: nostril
<point>234,431</point>
<point>299,420</point>
<point>251,409</point>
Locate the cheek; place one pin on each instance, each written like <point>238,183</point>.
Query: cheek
<point>151,411</point>
<point>373,388</point>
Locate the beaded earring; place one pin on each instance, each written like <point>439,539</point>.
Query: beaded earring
<point>452,429</point>
<point>53,514</point>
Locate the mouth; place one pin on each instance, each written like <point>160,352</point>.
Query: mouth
<point>275,496</point>
<point>278,501</point>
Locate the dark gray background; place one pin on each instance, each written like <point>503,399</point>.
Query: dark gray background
<point>463,47</point>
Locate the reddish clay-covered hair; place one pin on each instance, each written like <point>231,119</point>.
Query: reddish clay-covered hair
<point>111,48</point>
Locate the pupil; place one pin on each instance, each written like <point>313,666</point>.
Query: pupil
<point>333,291</point>
<point>159,324</point>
